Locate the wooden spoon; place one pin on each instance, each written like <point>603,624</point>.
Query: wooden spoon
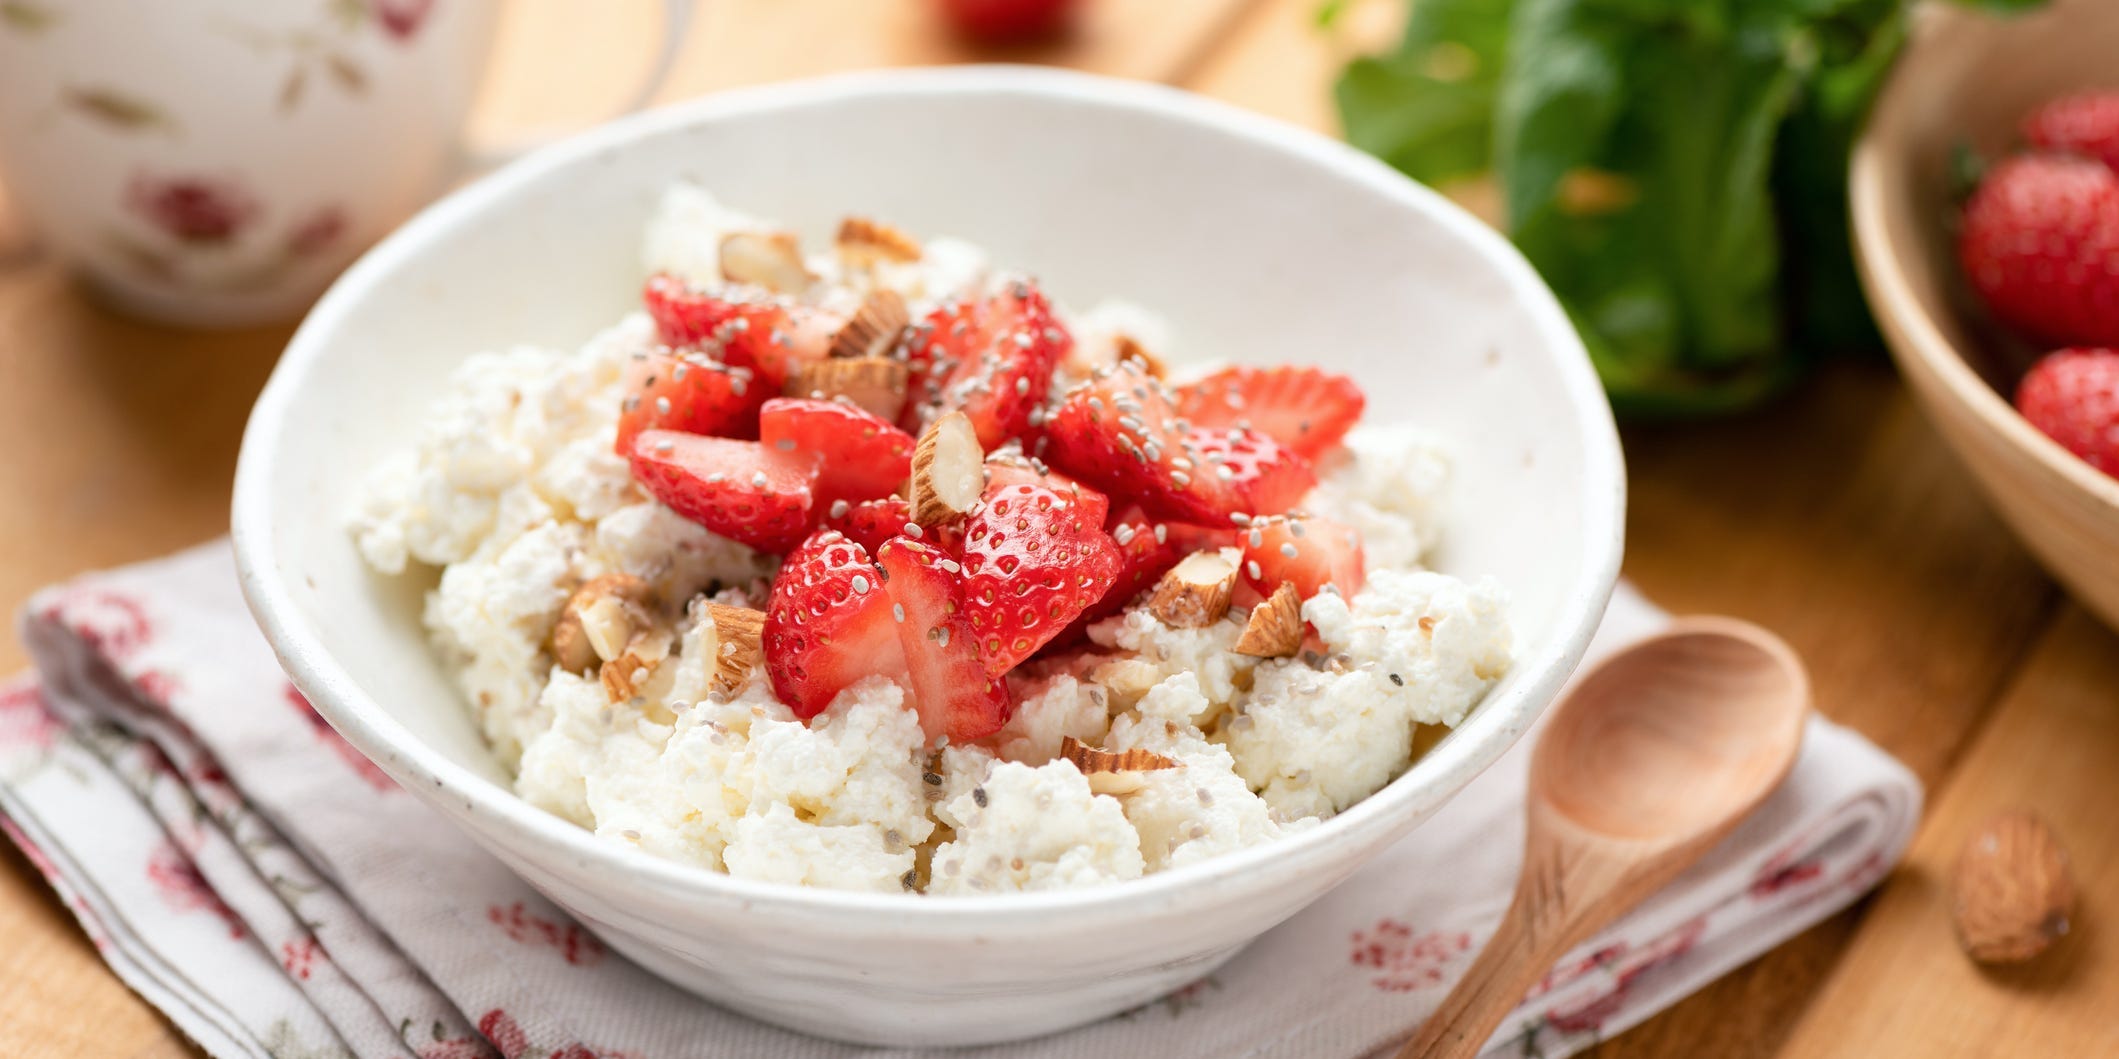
<point>1652,757</point>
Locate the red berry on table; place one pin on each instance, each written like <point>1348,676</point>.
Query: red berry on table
<point>2040,244</point>
<point>1119,432</point>
<point>957,697</point>
<point>741,490</point>
<point>1033,559</point>
<point>2086,124</point>
<point>1007,20</point>
<point>860,456</point>
<point>1306,550</point>
<point>828,624</point>
<point>990,357</point>
<point>1304,409</point>
<point>2073,397</point>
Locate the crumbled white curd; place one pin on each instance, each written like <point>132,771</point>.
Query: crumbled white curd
<point>511,489</point>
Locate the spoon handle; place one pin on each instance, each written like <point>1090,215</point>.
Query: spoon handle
<point>1513,961</point>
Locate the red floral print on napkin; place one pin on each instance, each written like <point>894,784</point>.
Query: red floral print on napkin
<point>183,889</point>
<point>113,624</point>
<point>1404,960</point>
<point>1589,1015</point>
<point>500,1028</point>
<point>401,19</point>
<point>299,956</point>
<point>367,770</point>
<point>194,209</point>
<point>576,945</point>
<point>24,719</point>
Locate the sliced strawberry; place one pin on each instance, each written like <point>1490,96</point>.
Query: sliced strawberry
<point>1118,432</point>
<point>956,696</point>
<point>686,391</point>
<point>1147,549</point>
<point>862,456</point>
<point>1305,549</point>
<point>990,357</point>
<point>1009,467</point>
<point>1034,558</point>
<point>870,522</point>
<point>1304,409</point>
<point>741,490</point>
<point>828,624</point>
<point>739,325</point>
<point>1261,477</point>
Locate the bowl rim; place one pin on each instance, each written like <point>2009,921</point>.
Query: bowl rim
<point>1919,344</point>
<point>1495,726</point>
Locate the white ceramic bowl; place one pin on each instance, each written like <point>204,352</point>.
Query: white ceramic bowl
<point>1259,241</point>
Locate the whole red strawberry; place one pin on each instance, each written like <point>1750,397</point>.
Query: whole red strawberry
<point>1007,20</point>
<point>2041,245</point>
<point>2086,124</point>
<point>2073,396</point>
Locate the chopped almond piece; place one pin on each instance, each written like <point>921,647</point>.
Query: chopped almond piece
<point>622,676</point>
<point>874,327</point>
<point>1275,627</point>
<point>948,471</point>
<point>875,384</point>
<point>1128,349</point>
<point>768,259</point>
<point>1113,771</point>
<point>863,243</point>
<point>1195,593</point>
<point>600,618</point>
<point>731,637</point>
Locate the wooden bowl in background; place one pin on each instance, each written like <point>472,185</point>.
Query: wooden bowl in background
<point>1966,80</point>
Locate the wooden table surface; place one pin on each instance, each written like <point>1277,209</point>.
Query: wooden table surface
<point>1835,517</point>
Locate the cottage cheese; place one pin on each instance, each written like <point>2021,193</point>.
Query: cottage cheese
<point>511,490</point>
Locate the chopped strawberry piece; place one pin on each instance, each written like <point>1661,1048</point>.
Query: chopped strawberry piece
<point>1306,410</point>
<point>870,522</point>
<point>990,357</point>
<point>1117,431</point>
<point>1304,549</point>
<point>741,490</point>
<point>956,695</point>
<point>1262,477</point>
<point>1147,549</point>
<point>1006,468</point>
<point>741,326</point>
<point>828,624</point>
<point>686,391</point>
<point>1034,558</point>
<point>862,456</point>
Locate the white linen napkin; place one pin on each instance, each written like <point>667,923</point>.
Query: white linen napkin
<point>251,874</point>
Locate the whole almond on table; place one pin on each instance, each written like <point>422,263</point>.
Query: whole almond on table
<point>2013,894</point>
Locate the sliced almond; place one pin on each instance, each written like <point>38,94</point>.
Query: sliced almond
<point>732,638</point>
<point>948,471</point>
<point>863,243</point>
<point>1195,593</point>
<point>1113,771</point>
<point>623,676</point>
<point>598,621</point>
<point>876,384</point>
<point>769,259</point>
<point>1275,627</point>
<point>1128,349</point>
<point>874,327</point>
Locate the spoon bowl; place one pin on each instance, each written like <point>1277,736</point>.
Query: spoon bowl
<point>1651,758</point>
<point>1680,732</point>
